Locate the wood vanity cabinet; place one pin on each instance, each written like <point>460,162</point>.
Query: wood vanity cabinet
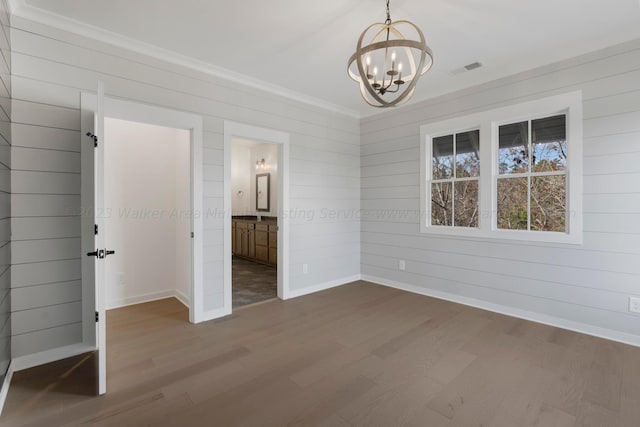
<point>255,240</point>
<point>273,244</point>
<point>234,249</point>
<point>262,242</point>
<point>243,242</point>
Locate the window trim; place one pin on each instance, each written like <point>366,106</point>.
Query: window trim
<point>487,122</point>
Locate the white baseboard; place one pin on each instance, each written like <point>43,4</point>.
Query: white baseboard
<point>4,391</point>
<point>154,296</point>
<point>214,314</point>
<point>180,296</point>
<point>545,319</point>
<point>48,356</point>
<point>322,286</point>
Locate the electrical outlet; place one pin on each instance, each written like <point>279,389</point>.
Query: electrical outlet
<point>305,268</point>
<point>634,304</point>
<point>401,264</point>
<point>121,279</point>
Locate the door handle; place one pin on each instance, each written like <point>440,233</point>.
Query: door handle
<point>100,253</point>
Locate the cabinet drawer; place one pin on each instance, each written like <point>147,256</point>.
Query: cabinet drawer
<point>262,227</point>
<point>273,227</point>
<point>241,225</point>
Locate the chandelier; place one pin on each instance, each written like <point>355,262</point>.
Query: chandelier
<point>387,64</point>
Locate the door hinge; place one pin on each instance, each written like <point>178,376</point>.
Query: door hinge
<point>97,317</point>
<point>95,229</point>
<point>94,137</point>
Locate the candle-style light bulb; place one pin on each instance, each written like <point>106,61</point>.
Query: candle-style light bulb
<point>399,81</point>
<point>393,61</point>
<point>375,75</point>
<point>368,61</point>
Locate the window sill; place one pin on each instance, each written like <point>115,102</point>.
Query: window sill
<point>523,236</point>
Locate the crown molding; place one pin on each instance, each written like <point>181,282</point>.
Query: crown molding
<point>24,10</point>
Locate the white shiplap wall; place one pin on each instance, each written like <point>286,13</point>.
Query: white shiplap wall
<point>5,189</point>
<point>50,69</point>
<point>585,287</point>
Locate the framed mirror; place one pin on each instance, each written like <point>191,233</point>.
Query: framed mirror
<point>262,192</point>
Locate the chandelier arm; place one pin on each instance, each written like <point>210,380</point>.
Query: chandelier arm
<point>412,85</point>
<point>366,85</point>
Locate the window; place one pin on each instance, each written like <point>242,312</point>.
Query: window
<point>532,181</point>
<point>455,169</point>
<point>513,172</point>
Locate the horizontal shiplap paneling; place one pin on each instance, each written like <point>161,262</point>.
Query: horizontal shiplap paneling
<point>30,182</point>
<point>588,284</point>
<point>6,246</point>
<point>50,70</point>
<point>29,297</point>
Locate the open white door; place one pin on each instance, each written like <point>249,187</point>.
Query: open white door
<point>92,223</point>
<point>101,252</point>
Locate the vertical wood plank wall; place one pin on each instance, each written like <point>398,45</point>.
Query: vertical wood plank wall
<point>588,284</point>
<point>51,68</point>
<point>5,189</point>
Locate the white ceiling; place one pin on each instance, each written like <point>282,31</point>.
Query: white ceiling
<point>303,46</point>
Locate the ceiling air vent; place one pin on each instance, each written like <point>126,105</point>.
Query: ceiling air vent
<point>466,68</point>
<point>472,66</point>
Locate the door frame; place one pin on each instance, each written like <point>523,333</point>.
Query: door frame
<point>245,131</point>
<point>143,113</point>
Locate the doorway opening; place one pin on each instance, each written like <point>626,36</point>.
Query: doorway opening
<point>97,295</point>
<point>256,201</point>
<point>254,223</point>
<point>147,199</point>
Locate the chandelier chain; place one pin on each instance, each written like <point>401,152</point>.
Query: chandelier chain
<point>388,21</point>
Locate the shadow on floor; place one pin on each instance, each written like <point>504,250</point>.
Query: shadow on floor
<point>73,376</point>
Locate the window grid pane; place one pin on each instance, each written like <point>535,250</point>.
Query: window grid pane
<point>465,206</point>
<point>549,144</point>
<point>513,148</point>
<point>513,212</point>
<point>441,203</point>
<point>548,203</point>
<point>442,157</point>
<point>467,151</point>
<point>455,171</point>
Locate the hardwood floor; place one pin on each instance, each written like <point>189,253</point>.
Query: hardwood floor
<point>357,355</point>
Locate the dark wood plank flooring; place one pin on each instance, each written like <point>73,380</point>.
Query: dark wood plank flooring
<point>357,355</point>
